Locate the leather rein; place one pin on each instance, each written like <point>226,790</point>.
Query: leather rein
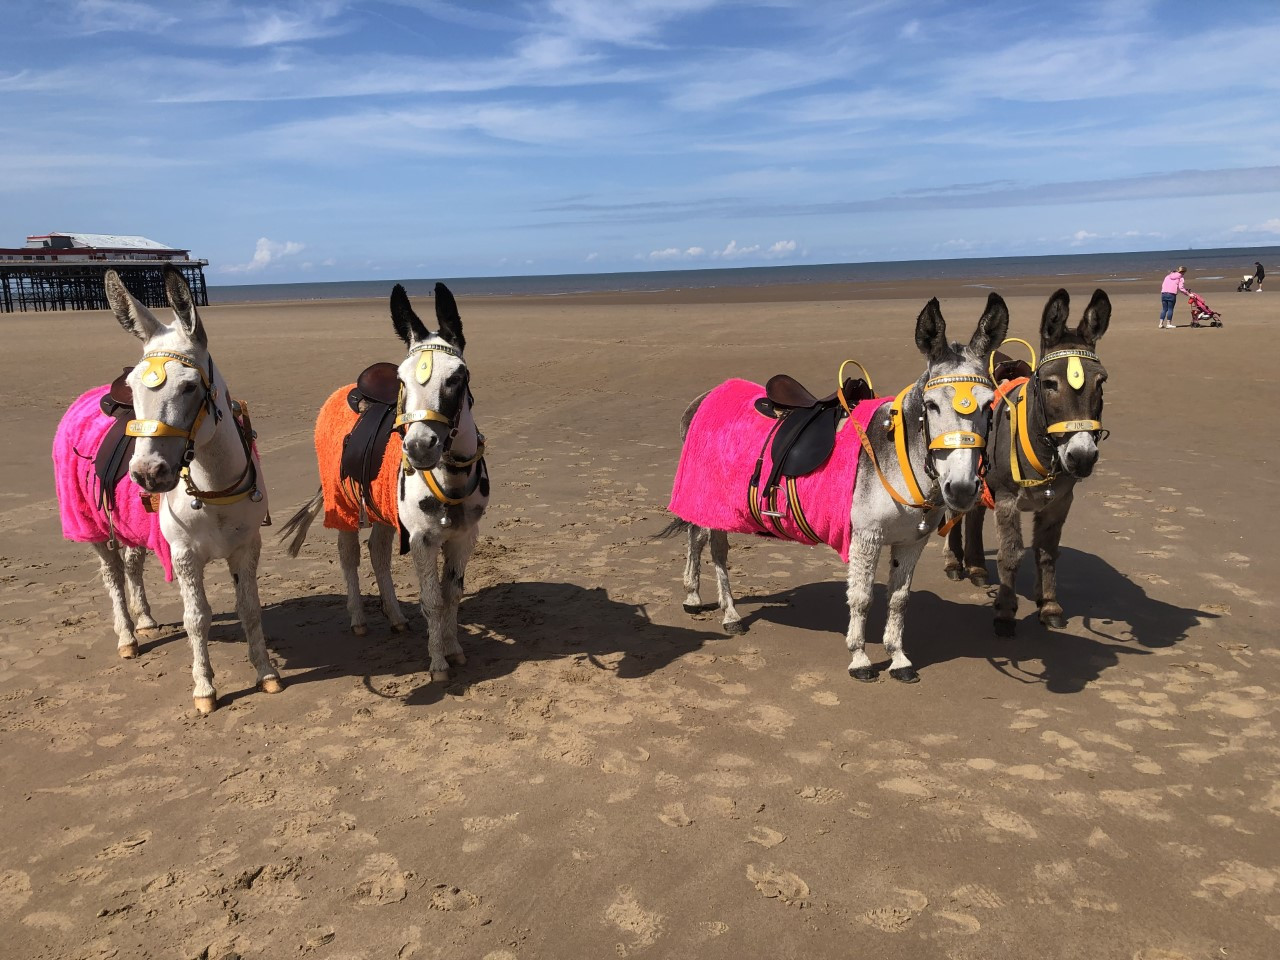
<point>1020,434</point>
<point>422,373</point>
<point>964,403</point>
<point>245,485</point>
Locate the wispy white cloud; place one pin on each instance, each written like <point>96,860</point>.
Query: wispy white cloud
<point>265,254</point>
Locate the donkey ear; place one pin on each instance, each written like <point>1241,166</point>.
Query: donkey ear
<point>931,331</point>
<point>992,326</point>
<point>131,314</point>
<point>184,307</point>
<point>448,317</point>
<point>1053,322</point>
<point>1097,317</point>
<point>406,322</point>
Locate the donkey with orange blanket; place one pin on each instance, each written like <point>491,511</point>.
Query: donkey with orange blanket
<point>432,484</point>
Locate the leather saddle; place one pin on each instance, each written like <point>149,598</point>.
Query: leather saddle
<point>375,398</point>
<point>1007,368</point>
<point>806,434</point>
<point>112,460</point>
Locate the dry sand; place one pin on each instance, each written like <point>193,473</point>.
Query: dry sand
<point>609,777</point>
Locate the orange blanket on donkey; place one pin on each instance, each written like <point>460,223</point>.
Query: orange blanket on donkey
<point>341,512</point>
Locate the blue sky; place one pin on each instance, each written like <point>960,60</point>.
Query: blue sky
<point>358,139</point>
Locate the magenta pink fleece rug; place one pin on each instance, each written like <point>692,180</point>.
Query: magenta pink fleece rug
<point>75,444</point>
<point>719,457</point>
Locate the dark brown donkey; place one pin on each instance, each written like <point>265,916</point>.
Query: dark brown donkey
<point>1044,439</point>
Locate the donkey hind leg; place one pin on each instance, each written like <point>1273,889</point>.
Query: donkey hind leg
<point>732,622</point>
<point>953,561</point>
<point>144,625</point>
<point>426,558</point>
<point>243,564</point>
<point>1046,534</point>
<point>698,537</point>
<point>864,556</point>
<point>349,560</point>
<point>1008,559</point>
<point>381,538</point>
<point>112,568</point>
<point>189,572</point>
<point>903,559</point>
<point>457,552</point>
<point>975,554</point>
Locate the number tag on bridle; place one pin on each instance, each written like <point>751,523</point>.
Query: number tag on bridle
<point>1075,373</point>
<point>422,372</point>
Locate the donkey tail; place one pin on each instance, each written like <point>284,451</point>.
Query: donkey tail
<point>296,529</point>
<point>671,529</point>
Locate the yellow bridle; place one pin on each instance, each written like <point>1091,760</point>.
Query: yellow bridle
<point>1020,429</point>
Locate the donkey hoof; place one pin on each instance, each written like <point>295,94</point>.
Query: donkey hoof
<point>954,573</point>
<point>271,684</point>
<point>206,705</point>
<point>128,651</point>
<point>359,630</point>
<point>865,674</point>
<point>978,577</point>
<point>905,674</point>
<point>439,676</point>
<point>1006,628</point>
<point>147,633</point>
<point>1055,621</point>
<point>734,628</point>
<point>700,607</point>
<point>456,659</point>
<point>400,627</point>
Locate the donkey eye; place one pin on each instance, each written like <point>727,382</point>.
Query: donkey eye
<point>930,406</point>
<point>453,380</point>
<point>1050,384</point>
<point>188,387</point>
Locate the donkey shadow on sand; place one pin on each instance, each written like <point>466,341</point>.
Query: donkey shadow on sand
<point>944,629</point>
<point>506,624</point>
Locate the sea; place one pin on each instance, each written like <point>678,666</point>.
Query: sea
<point>1211,264</point>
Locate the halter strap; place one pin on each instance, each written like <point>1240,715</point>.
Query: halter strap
<point>153,378</point>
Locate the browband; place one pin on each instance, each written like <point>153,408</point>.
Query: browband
<point>962,400</point>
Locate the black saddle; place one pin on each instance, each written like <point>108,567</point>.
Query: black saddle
<point>112,459</point>
<point>375,398</point>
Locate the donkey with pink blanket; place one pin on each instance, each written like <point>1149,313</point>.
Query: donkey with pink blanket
<point>193,493</point>
<point>894,466</point>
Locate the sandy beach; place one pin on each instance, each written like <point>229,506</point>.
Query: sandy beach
<point>610,777</point>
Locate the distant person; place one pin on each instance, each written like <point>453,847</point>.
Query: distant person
<point>1258,274</point>
<point>1173,285</point>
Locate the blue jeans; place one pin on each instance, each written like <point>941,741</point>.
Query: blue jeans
<point>1167,302</point>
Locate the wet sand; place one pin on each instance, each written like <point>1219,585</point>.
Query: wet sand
<point>610,777</point>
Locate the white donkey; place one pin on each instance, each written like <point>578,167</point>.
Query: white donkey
<point>201,484</point>
<point>927,443</point>
<point>433,485</point>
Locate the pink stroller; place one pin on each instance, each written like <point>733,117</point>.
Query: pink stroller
<point>1201,315</point>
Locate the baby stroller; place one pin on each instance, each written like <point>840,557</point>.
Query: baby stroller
<point>1201,315</point>
<point>1246,284</point>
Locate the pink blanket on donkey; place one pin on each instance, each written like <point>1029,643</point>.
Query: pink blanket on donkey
<point>719,457</point>
<point>75,445</point>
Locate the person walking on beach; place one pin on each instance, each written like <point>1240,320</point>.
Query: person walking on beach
<point>1258,274</point>
<point>1169,290</point>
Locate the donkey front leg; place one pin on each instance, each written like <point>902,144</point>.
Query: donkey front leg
<point>243,564</point>
<point>426,555</point>
<point>144,625</point>
<point>189,572</point>
<point>1046,534</point>
<point>1008,559</point>
<point>457,552</point>
<point>953,561</point>
<point>113,578</point>
<point>975,553</point>
<point>732,622</point>
<point>349,560</point>
<point>903,558</point>
<point>381,538</point>
<point>864,556</point>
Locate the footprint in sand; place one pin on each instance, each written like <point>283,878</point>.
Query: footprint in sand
<point>895,917</point>
<point>15,891</point>
<point>625,913</point>
<point>383,881</point>
<point>777,884</point>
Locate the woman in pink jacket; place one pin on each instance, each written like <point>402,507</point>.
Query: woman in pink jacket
<point>1169,290</point>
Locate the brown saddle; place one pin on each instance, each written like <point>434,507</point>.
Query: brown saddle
<point>112,459</point>
<point>1007,368</point>
<point>375,398</point>
<point>805,435</point>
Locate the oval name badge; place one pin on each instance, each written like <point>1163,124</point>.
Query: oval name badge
<point>1075,373</point>
<point>423,372</point>
<point>154,375</point>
